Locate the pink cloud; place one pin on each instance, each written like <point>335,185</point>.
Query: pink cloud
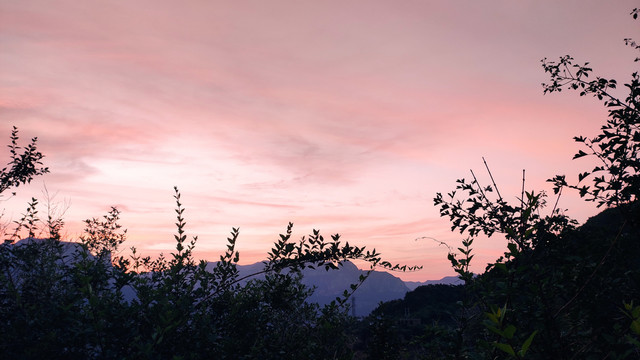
<point>347,116</point>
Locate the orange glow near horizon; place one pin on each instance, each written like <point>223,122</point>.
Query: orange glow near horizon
<point>345,117</point>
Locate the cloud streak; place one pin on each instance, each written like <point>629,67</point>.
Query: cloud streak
<point>348,115</point>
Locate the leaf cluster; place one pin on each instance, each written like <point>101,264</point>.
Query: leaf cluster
<point>616,179</point>
<point>25,163</point>
<point>564,291</point>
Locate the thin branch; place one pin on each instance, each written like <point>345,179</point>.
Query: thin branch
<point>479,187</point>
<point>522,192</point>
<point>492,181</point>
<point>555,206</point>
<point>436,240</point>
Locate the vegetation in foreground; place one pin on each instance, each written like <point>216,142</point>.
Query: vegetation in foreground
<point>76,300</point>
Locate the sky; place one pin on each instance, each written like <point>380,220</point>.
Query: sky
<point>342,116</point>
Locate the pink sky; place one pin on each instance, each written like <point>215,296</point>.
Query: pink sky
<point>343,116</point>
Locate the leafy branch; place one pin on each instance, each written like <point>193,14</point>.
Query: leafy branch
<point>25,163</point>
<point>617,180</point>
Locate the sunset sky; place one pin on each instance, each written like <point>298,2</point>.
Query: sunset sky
<point>342,116</point>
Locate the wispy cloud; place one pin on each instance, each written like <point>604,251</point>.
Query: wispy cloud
<point>348,115</point>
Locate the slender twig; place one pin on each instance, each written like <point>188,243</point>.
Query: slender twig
<point>492,181</point>
<point>555,206</point>
<point>603,92</point>
<point>522,192</point>
<point>480,187</point>
<point>436,240</point>
<point>568,71</point>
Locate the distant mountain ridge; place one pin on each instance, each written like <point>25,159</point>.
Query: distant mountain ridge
<point>380,286</point>
<point>447,280</point>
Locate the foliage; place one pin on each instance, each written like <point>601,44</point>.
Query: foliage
<point>558,290</point>
<point>81,300</point>
<point>422,325</point>
<point>496,323</point>
<point>429,304</point>
<point>25,163</point>
<point>103,237</point>
<point>618,145</point>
